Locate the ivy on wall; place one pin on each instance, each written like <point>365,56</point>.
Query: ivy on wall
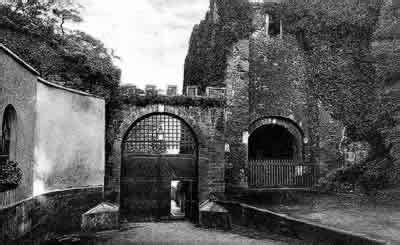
<point>337,47</point>
<point>10,175</point>
<point>205,63</point>
<point>278,76</point>
<point>346,56</point>
<point>186,101</point>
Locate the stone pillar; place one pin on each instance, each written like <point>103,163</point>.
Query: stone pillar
<point>237,111</point>
<point>313,128</point>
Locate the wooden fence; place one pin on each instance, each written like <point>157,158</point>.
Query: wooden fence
<point>281,173</point>
<point>7,198</point>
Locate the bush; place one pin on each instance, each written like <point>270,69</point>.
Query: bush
<point>376,175</point>
<point>367,177</point>
<point>10,176</point>
<point>172,101</point>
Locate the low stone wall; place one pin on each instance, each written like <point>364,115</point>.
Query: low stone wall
<point>35,219</point>
<point>295,196</point>
<point>262,219</point>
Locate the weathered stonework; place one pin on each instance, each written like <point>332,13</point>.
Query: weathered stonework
<point>265,78</point>
<point>237,120</point>
<point>387,45</point>
<point>330,138</point>
<point>207,124</point>
<point>35,219</point>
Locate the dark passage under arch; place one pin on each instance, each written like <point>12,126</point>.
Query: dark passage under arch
<point>157,150</point>
<point>276,155</point>
<point>272,142</point>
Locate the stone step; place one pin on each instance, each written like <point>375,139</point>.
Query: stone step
<point>104,216</point>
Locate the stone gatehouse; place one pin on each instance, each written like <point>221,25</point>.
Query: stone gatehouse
<point>155,144</point>
<point>273,125</point>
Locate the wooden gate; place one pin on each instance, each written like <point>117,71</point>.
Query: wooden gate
<point>158,149</point>
<point>281,173</point>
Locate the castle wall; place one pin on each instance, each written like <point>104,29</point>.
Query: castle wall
<point>264,76</point>
<point>18,88</point>
<point>207,124</point>
<point>386,47</point>
<point>70,139</point>
<point>278,86</point>
<point>237,113</point>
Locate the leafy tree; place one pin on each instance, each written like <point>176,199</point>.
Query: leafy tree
<point>35,29</point>
<point>64,15</point>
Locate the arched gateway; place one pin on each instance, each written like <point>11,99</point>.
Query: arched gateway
<point>275,139</point>
<point>276,155</point>
<point>158,150</point>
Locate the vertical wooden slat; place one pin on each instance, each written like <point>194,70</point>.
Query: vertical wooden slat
<point>251,174</point>
<point>265,175</point>
<point>7,198</point>
<point>287,175</point>
<point>258,174</point>
<point>271,173</point>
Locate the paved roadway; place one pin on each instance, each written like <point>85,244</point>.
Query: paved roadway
<point>181,233</point>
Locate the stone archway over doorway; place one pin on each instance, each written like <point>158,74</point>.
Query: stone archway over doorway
<point>275,139</point>
<point>157,150</point>
<point>276,155</point>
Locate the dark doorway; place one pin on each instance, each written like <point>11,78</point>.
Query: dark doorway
<point>178,199</point>
<point>272,142</point>
<point>157,149</point>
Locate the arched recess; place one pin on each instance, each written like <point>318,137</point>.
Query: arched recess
<point>275,138</point>
<point>8,147</point>
<point>157,149</point>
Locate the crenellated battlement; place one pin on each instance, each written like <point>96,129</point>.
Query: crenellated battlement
<point>263,1</point>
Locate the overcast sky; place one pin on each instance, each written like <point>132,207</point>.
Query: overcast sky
<point>150,36</point>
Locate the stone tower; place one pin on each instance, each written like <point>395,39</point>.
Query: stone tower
<point>241,46</point>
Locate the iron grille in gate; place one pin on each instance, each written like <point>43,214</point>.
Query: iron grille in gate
<point>160,134</point>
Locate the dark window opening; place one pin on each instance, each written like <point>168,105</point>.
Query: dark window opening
<point>274,25</point>
<point>272,142</point>
<point>8,136</point>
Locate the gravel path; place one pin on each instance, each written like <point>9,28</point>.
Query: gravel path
<point>180,233</point>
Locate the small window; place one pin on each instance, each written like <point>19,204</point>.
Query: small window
<point>273,25</point>
<point>192,91</point>
<point>8,147</point>
<point>215,92</point>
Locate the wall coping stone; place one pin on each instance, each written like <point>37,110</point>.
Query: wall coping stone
<point>75,91</point>
<point>40,79</point>
<point>338,232</point>
<point>53,192</point>
<point>19,60</point>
